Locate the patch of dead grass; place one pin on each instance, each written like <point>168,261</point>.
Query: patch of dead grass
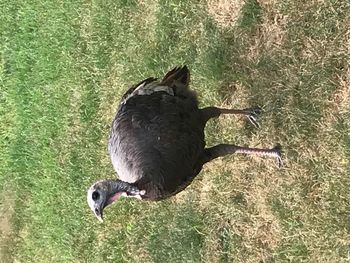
<point>252,219</point>
<point>207,185</point>
<point>6,213</point>
<point>265,226</point>
<point>272,31</point>
<point>259,230</point>
<point>258,234</point>
<point>341,96</point>
<point>225,12</point>
<point>226,178</point>
<point>338,104</point>
<point>319,168</point>
<point>150,8</point>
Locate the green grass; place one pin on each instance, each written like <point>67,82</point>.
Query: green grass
<point>64,67</point>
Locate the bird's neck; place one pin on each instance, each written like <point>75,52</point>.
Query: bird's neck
<point>116,186</point>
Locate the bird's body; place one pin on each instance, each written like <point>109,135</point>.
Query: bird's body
<point>156,142</point>
<point>157,138</point>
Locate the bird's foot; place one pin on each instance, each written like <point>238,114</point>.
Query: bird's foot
<point>278,155</point>
<point>252,114</point>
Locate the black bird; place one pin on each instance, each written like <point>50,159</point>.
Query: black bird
<point>156,142</point>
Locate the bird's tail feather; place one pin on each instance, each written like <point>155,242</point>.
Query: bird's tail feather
<point>177,75</point>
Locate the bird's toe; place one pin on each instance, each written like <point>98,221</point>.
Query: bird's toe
<point>253,121</point>
<point>252,115</point>
<point>278,150</point>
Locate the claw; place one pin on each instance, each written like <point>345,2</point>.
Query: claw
<point>252,114</point>
<point>279,162</point>
<point>253,121</point>
<point>278,154</point>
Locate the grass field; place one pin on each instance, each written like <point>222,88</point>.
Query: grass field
<point>64,66</point>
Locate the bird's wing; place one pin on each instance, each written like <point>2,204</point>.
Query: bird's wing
<point>130,91</point>
<point>156,141</point>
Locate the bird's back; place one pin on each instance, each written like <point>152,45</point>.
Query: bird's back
<point>157,138</point>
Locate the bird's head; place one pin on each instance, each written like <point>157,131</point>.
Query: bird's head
<point>103,193</point>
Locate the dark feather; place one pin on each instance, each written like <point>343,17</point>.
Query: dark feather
<point>157,140</point>
<point>177,74</point>
<point>133,87</point>
<point>157,137</point>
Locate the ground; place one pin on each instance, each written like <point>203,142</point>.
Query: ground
<point>64,67</point>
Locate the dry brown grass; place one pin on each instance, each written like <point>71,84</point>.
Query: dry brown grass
<point>271,34</point>
<point>291,57</point>
<point>225,12</point>
<point>340,99</point>
<point>7,202</point>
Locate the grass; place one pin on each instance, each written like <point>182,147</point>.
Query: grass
<point>64,67</point>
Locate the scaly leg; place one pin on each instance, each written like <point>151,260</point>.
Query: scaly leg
<point>250,113</point>
<point>224,149</point>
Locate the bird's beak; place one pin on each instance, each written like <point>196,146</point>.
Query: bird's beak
<point>99,216</point>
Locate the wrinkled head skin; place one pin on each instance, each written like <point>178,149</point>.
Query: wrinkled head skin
<point>97,199</point>
<point>103,193</point>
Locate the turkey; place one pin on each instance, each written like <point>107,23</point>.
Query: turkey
<point>156,142</point>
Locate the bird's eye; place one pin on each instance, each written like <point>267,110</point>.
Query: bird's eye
<point>95,196</point>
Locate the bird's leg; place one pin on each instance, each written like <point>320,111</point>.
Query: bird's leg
<point>250,113</point>
<point>224,149</point>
